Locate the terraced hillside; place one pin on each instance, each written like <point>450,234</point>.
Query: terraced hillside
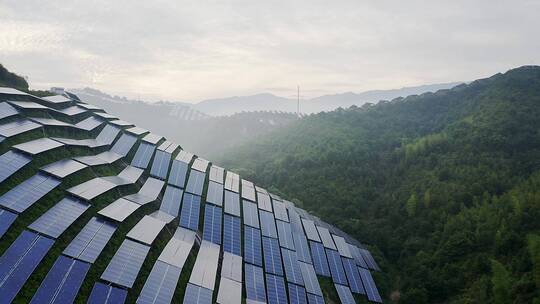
<point>94,209</point>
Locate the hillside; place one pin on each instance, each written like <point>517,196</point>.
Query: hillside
<point>444,186</point>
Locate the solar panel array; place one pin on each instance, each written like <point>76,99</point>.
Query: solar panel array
<point>247,243</point>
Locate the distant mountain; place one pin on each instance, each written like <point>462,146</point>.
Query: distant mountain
<point>237,104</point>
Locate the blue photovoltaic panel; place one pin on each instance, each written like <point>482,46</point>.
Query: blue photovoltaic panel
<point>195,182</point>
<point>310,279</point>
<point>171,201</point>
<point>358,256</point>
<point>369,285</point>
<point>57,219</point>
<point>160,284</point>
<point>336,267</point>
<point>19,261</point>
<point>302,248</point>
<point>212,224</point>
<point>272,256</point>
<point>319,259</point>
<point>28,192</point>
<point>106,294</point>
<point>252,246</point>
<point>369,259</point>
<point>143,155</point>
<point>126,263</point>
<point>285,234</point>
<point>63,281</point>
<point>297,294</point>
<point>345,295</point>
<point>232,234</point>
<point>232,203</point>
<point>177,177</point>
<point>214,194</point>
<point>254,278</point>
<point>124,144</point>
<point>313,299</point>
<point>251,217</point>
<point>197,295</point>
<point>353,276</point>
<point>280,211</point>
<point>268,225</point>
<point>11,162</point>
<point>189,216</point>
<point>160,166</point>
<point>276,289</point>
<point>6,219</point>
<point>89,243</point>
<point>292,267</point>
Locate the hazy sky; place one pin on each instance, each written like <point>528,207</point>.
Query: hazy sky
<point>193,50</point>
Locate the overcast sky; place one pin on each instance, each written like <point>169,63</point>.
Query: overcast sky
<point>194,50</point>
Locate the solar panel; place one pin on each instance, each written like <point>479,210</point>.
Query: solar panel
<point>105,294</point>
<point>232,203</point>
<point>63,168</point>
<point>297,294</point>
<point>171,200</point>
<point>19,261</point>
<point>326,238</point>
<point>105,115</point>
<point>58,218</point>
<point>232,234</point>
<point>11,162</point>
<point>92,188</point>
<point>248,192</point>
<point>292,267</point>
<point>342,246</point>
<point>28,105</point>
<point>268,226</point>
<point>160,284</point>
<point>72,111</point>
<point>37,146</point>
<point>254,278</point>
<point>152,138</point>
<point>319,259</point>
<point>251,216</point>
<point>160,166</point>
<point>197,295</point>
<point>272,256</point>
<point>285,235</point>
<point>25,194</point>
<point>212,224</point>
<point>11,91</point>
<point>62,282</point>
<point>369,285</point>
<point>313,299</point>
<point>120,123</point>
<point>345,295</point>
<point>148,193</point>
<point>296,222</point>
<point>358,256</point>
<point>107,135</point>
<point>336,267</point>
<point>200,164</point>
<point>252,246</point>
<point>6,219</point>
<point>89,243</point>
<point>264,202</point>
<point>126,263</point>
<point>50,122</point>
<point>124,144</point>
<point>231,266</point>
<point>195,182</point>
<point>229,291</point>
<point>103,158</point>
<point>353,276</point>
<point>205,268</point>
<point>146,230</point>
<point>6,110</point>
<point>17,127</point>
<point>119,210</point>
<point>57,99</point>
<point>177,177</point>
<point>216,174</point>
<point>310,278</point>
<point>177,249</point>
<point>137,131</point>
<point>302,248</point>
<point>189,216</point>
<point>214,194</point>
<point>276,289</point>
<point>232,182</point>
<point>184,156</point>
<point>143,155</point>
<point>280,211</point>
<point>311,230</point>
<point>369,259</point>
<point>89,123</point>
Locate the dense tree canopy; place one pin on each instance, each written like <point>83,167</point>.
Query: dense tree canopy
<point>444,187</point>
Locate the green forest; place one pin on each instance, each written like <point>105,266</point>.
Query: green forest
<point>444,187</point>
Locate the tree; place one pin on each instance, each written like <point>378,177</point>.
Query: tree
<point>501,281</point>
